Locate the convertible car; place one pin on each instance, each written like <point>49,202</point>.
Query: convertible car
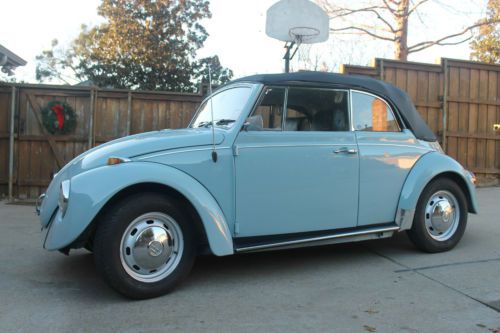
<point>268,162</point>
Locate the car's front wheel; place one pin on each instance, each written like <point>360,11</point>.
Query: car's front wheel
<point>144,246</point>
<point>440,217</point>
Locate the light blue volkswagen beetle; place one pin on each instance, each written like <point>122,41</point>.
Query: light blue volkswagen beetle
<point>268,162</point>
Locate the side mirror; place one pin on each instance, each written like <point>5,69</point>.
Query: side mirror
<point>254,123</point>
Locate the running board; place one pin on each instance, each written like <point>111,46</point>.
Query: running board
<point>352,235</point>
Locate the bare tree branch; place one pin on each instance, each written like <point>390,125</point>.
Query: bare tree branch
<point>363,30</point>
<point>442,41</point>
<point>388,20</point>
<point>415,6</point>
<point>342,11</point>
<point>440,44</point>
<point>388,6</point>
<point>372,10</point>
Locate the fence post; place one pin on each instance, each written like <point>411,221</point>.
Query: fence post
<point>91,118</point>
<point>445,104</point>
<point>11,142</point>
<point>129,111</point>
<point>381,69</point>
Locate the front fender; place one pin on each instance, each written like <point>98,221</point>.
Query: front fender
<point>91,190</point>
<point>427,168</point>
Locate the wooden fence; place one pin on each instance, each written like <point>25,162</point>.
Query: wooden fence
<point>460,100</point>
<point>102,115</point>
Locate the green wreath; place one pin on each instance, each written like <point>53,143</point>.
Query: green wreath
<point>58,117</point>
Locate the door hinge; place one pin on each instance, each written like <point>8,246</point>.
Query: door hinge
<point>236,150</point>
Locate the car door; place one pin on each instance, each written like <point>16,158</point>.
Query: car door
<point>297,165</point>
<point>386,152</point>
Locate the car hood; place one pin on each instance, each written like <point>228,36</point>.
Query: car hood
<point>141,144</point>
<point>126,147</point>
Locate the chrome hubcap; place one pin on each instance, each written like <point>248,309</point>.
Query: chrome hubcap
<point>442,215</point>
<point>151,247</point>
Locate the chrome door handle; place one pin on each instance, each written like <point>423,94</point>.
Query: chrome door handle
<point>345,150</point>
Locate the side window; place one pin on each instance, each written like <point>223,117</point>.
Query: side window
<point>372,114</point>
<point>270,110</point>
<point>317,110</point>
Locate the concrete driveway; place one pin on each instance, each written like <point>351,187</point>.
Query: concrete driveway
<point>376,286</point>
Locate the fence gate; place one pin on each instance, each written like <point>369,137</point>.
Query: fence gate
<point>40,154</point>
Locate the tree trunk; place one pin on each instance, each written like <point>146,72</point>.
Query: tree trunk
<point>401,42</point>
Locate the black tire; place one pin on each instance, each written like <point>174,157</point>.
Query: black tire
<point>420,235</point>
<point>89,245</point>
<point>108,237</point>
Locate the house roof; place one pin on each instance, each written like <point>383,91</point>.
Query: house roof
<point>398,99</point>
<point>9,60</point>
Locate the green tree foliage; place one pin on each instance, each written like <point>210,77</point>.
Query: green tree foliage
<point>486,44</point>
<point>143,44</point>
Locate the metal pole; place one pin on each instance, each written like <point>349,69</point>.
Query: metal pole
<point>288,57</point>
<point>287,60</point>
<point>11,142</point>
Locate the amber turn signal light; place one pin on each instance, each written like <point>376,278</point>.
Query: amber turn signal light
<point>116,160</point>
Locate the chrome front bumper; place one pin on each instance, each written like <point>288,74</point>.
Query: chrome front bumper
<point>38,205</point>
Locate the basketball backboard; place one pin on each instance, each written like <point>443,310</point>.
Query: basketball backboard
<point>299,21</point>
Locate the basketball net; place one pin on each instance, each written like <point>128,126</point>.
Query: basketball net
<point>303,34</point>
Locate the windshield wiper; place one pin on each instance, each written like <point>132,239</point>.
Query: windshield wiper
<point>205,124</point>
<point>218,122</point>
<point>224,121</point>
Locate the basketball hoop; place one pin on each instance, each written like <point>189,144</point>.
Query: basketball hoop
<point>303,34</point>
<point>297,22</point>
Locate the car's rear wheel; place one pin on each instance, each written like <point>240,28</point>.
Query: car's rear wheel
<point>440,217</point>
<point>144,246</point>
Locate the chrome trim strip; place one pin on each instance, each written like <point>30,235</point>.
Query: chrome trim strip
<point>285,110</point>
<point>301,145</point>
<point>316,239</point>
<point>179,152</point>
<point>394,145</point>
<point>350,112</point>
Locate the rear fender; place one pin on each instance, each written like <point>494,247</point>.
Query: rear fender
<point>428,167</point>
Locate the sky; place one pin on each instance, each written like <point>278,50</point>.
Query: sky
<point>237,33</point>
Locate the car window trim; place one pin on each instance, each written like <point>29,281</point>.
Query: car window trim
<point>394,115</point>
<point>256,105</point>
<point>216,92</point>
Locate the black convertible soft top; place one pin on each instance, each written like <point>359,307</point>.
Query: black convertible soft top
<point>398,99</point>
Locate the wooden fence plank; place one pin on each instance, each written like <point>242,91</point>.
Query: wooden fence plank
<point>463,115</point>
<point>493,94</point>
<point>452,123</point>
<point>472,119</point>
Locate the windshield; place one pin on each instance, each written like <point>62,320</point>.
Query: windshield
<point>227,106</point>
